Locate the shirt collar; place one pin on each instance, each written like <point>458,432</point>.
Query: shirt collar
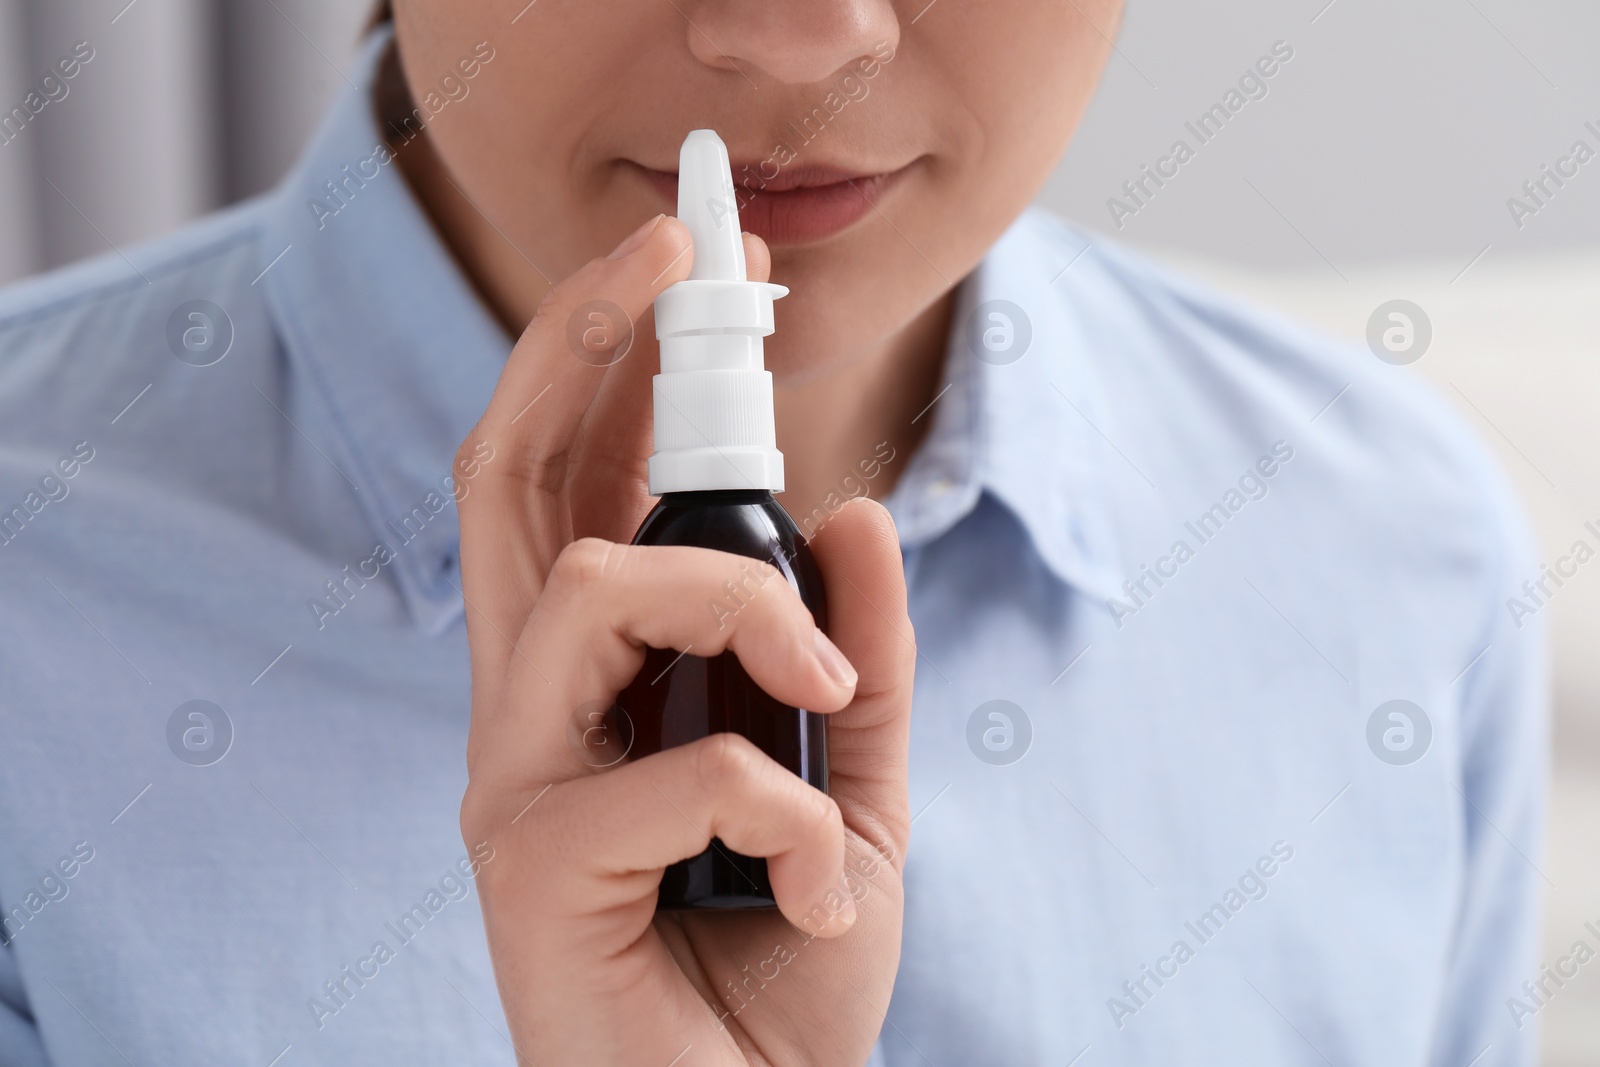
<point>1022,418</point>
<point>375,313</point>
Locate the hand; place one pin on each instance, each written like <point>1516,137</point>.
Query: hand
<point>559,616</point>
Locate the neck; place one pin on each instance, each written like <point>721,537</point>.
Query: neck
<point>849,431</point>
<point>504,275</point>
<point>852,431</point>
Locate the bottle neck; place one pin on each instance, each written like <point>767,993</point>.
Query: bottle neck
<point>717,498</point>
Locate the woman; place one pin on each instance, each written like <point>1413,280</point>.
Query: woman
<point>1216,740</point>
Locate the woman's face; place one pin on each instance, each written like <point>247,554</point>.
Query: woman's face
<point>882,145</point>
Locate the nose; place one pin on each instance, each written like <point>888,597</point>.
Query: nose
<point>792,41</point>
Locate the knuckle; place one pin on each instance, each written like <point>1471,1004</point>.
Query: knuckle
<point>537,471</point>
<point>726,761</point>
<point>474,818</point>
<point>899,649</point>
<point>759,583</point>
<point>822,816</point>
<point>906,658</point>
<point>554,312</point>
<point>467,457</point>
<point>791,618</point>
<point>581,566</point>
<point>549,308</point>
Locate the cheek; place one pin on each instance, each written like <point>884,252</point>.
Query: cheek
<point>544,113</point>
<point>1030,86</point>
<point>1005,91</point>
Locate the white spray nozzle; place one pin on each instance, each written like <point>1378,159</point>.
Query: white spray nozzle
<point>706,205</point>
<point>713,397</point>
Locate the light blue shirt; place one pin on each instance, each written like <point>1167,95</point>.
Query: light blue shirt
<point>1193,551</point>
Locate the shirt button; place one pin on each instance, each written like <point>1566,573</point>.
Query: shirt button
<point>940,486</point>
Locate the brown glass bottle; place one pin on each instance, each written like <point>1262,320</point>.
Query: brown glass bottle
<point>675,700</point>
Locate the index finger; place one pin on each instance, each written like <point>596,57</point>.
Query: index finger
<point>577,332</point>
<point>510,537</point>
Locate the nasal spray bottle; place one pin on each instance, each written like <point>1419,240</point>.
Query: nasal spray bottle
<point>715,468</point>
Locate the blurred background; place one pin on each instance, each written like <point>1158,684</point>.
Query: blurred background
<point>1379,165</point>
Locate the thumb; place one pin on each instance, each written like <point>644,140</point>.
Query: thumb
<point>858,552</point>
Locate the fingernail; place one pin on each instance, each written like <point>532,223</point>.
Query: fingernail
<point>638,237</point>
<point>834,663</point>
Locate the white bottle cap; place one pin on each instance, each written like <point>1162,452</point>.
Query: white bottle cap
<point>713,397</point>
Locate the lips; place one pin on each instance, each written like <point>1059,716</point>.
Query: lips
<point>800,204</point>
